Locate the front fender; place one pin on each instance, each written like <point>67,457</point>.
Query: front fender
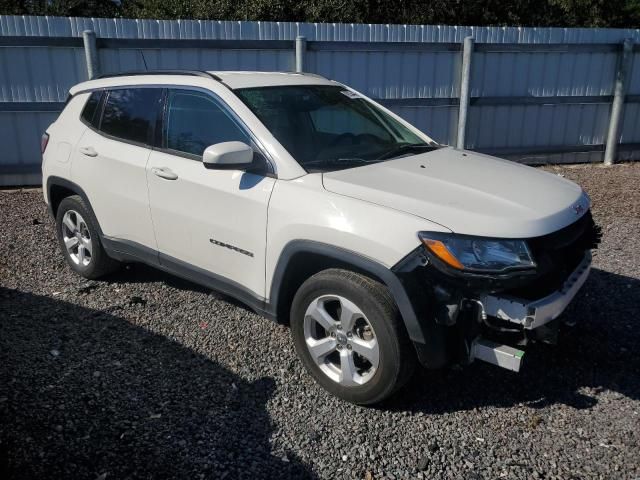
<point>359,263</point>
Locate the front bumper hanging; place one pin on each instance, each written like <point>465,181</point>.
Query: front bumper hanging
<point>528,315</point>
<point>534,314</point>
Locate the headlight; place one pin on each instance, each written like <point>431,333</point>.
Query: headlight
<point>478,254</point>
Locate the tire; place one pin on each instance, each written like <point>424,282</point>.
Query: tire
<point>86,255</point>
<point>368,317</point>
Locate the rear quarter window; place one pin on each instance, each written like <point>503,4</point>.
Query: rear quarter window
<point>89,115</point>
<point>131,113</point>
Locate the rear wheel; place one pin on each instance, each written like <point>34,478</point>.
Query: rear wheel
<point>348,333</point>
<point>79,241</point>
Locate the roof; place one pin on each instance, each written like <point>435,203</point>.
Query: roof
<point>269,79</point>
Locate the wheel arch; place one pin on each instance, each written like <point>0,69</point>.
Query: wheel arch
<point>60,188</point>
<point>301,259</point>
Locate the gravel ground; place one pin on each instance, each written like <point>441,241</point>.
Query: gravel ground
<point>146,376</point>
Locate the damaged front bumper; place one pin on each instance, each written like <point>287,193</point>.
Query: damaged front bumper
<point>528,315</point>
<point>468,316</point>
<point>534,314</point>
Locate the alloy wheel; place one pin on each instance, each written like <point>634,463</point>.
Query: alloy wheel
<point>77,238</point>
<point>341,340</point>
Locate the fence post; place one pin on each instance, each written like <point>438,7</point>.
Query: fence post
<point>91,53</point>
<point>465,78</point>
<point>617,107</point>
<point>301,49</point>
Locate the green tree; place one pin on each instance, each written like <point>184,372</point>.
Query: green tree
<point>71,8</point>
<point>558,13</point>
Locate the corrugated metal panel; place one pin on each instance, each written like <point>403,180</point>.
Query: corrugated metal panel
<point>631,123</point>
<point>537,125</point>
<point>20,134</point>
<point>392,74</point>
<point>44,74</point>
<point>539,74</point>
<point>634,84</point>
<point>122,60</point>
<point>134,28</point>
<point>542,74</point>
<point>439,122</point>
<point>39,74</point>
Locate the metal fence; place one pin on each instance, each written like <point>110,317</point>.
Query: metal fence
<point>530,94</point>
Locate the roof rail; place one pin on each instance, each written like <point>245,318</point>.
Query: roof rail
<point>194,73</point>
<point>309,74</point>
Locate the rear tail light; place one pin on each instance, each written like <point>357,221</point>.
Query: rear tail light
<point>44,141</point>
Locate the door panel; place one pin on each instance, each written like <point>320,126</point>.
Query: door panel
<point>213,219</point>
<point>110,160</point>
<point>113,176</point>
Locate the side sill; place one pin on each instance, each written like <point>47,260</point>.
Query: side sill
<point>125,250</point>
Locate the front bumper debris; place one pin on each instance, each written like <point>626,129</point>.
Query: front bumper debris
<point>533,314</point>
<point>501,355</point>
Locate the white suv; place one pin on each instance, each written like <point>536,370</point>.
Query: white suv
<point>314,205</point>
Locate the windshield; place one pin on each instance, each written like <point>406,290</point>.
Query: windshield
<point>326,127</point>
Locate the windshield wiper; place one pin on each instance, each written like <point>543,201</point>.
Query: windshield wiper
<point>407,148</point>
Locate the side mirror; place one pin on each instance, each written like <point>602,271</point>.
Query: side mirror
<point>228,156</point>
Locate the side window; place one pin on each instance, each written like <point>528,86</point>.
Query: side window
<point>89,111</point>
<point>195,121</point>
<point>131,113</point>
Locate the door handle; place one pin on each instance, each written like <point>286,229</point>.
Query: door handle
<point>165,173</point>
<point>88,151</point>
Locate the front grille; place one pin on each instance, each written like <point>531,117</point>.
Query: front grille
<point>558,255</point>
<point>583,234</point>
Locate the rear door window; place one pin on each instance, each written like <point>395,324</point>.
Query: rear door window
<point>131,113</point>
<point>194,121</point>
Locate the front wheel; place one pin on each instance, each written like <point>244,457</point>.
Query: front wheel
<point>348,333</point>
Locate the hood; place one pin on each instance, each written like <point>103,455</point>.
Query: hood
<point>467,192</point>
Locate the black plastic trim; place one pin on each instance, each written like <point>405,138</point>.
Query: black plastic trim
<point>125,250</point>
<point>359,261</point>
<point>74,187</point>
<point>193,73</point>
<point>216,282</point>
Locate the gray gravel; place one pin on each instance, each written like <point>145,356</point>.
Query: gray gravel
<point>146,376</point>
